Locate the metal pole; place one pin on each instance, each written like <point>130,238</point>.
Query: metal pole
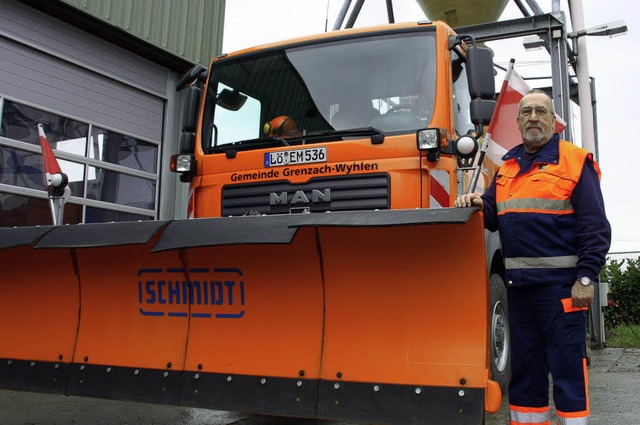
<point>596,318</point>
<point>341,15</point>
<point>535,7</point>
<point>582,71</point>
<point>596,154</point>
<point>522,8</point>
<point>56,203</point>
<point>392,18</point>
<point>560,77</point>
<point>354,14</point>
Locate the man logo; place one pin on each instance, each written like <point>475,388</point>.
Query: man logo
<point>299,197</point>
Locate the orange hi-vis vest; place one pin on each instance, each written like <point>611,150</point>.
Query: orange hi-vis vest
<point>536,217</point>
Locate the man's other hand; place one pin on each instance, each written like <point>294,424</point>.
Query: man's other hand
<point>581,296</point>
<point>468,200</point>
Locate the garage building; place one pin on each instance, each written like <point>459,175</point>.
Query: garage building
<point>100,76</point>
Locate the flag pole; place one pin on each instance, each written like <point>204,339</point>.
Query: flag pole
<point>487,140</point>
<point>478,168</point>
<point>56,181</point>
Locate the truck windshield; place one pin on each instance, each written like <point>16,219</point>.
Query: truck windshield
<point>385,82</point>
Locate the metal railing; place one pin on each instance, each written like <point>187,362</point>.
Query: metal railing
<point>619,256</point>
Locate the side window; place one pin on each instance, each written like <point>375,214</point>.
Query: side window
<point>461,97</point>
<point>232,125</point>
<point>462,115</point>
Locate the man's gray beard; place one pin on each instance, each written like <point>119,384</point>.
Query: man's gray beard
<point>533,137</point>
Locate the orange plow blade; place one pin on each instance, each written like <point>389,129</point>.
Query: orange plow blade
<point>352,316</point>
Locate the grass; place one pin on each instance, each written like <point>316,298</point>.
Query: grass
<point>626,336</point>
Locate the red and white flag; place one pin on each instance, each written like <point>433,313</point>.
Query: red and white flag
<point>503,133</point>
<point>51,166</point>
<point>56,181</point>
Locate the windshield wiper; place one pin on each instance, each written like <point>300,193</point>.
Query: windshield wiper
<point>231,149</point>
<point>377,136</point>
<point>261,142</point>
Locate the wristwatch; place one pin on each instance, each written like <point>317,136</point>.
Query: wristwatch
<point>585,281</point>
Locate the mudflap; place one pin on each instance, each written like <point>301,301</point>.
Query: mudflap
<point>379,316</point>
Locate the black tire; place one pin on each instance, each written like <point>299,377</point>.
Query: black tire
<point>500,338</point>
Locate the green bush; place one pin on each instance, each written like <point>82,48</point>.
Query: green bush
<point>624,306</point>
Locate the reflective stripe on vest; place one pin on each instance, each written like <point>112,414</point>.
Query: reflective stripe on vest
<point>561,262</point>
<point>535,205</point>
<point>533,416</point>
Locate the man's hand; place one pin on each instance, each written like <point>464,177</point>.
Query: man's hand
<point>468,200</point>
<point>581,296</point>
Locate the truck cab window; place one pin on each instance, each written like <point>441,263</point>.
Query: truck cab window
<point>235,121</point>
<point>461,98</point>
<point>322,87</point>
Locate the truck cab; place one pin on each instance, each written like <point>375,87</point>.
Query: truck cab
<point>376,115</point>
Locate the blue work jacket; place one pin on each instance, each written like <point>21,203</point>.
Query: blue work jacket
<point>549,209</point>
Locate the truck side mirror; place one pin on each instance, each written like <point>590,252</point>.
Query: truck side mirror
<point>190,112</point>
<point>482,86</point>
<point>231,99</point>
<point>481,111</point>
<point>480,73</point>
<point>195,74</point>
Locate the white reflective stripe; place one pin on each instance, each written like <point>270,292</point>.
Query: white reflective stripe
<point>535,204</point>
<point>190,212</point>
<point>541,262</point>
<point>530,417</point>
<point>573,421</point>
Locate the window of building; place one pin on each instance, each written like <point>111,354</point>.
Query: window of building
<point>112,176</point>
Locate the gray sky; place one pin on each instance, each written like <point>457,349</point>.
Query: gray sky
<point>254,22</point>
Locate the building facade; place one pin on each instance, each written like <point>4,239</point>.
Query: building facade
<point>100,77</point>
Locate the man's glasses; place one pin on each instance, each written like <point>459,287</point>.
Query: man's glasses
<point>540,112</point>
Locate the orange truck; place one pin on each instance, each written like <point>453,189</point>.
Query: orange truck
<point>323,273</point>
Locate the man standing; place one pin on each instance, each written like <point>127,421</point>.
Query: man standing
<point>547,204</point>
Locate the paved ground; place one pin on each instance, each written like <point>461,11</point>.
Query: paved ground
<point>614,387</point>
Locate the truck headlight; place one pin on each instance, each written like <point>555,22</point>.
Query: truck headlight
<point>182,163</point>
<point>428,139</point>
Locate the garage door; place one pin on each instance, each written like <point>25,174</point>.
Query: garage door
<point>103,110</point>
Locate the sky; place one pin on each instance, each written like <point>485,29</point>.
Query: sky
<point>253,22</point>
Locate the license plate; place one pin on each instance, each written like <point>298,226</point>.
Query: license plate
<point>294,157</point>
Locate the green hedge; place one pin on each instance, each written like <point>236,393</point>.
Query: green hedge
<point>624,305</point>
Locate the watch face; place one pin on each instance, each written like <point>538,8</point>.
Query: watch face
<point>585,281</point>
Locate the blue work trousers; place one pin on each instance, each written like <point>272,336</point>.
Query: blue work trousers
<point>545,338</point>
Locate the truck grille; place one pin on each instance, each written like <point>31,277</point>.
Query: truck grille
<point>346,193</point>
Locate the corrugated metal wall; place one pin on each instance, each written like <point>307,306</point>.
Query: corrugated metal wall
<point>191,29</point>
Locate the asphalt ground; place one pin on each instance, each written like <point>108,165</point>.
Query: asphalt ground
<point>614,387</point>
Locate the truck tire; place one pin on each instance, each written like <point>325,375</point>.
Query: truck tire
<point>500,340</point>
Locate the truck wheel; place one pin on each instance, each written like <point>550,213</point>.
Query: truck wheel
<point>500,347</point>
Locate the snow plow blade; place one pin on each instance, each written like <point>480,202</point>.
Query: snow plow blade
<point>347,316</point>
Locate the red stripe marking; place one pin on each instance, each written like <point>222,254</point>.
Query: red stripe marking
<point>438,192</point>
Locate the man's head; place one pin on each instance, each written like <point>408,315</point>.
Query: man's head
<point>536,120</point>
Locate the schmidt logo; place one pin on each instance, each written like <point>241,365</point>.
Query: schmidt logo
<point>208,293</point>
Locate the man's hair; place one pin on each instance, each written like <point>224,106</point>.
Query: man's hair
<point>534,91</point>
